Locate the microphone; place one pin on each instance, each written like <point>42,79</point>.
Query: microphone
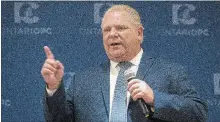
<point>146,109</point>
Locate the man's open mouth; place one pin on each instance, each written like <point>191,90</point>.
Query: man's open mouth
<point>115,44</point>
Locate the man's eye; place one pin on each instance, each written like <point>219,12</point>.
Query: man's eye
<point>107,29</point>
<point>122,28</point>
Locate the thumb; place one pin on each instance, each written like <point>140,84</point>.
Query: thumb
<point>60,65</point>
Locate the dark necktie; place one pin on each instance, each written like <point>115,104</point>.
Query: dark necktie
<point>119,104</point>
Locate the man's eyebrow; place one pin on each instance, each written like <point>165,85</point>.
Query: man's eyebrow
<point>106,27</point>
<point>123,25</point>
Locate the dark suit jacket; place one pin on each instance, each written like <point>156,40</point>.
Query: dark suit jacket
<point>87,98</point>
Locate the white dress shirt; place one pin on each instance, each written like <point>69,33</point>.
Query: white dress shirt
<point>114,70</point>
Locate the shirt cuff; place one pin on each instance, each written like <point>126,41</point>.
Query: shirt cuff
<point>50,92</point>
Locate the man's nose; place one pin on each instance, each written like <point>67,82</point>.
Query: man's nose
<point>113,32</point>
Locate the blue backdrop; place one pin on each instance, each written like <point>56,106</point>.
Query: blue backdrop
<point>187,33</point>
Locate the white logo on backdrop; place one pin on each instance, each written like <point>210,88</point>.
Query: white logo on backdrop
<point>217,84</point>
<point>24,12</point>
<point>181,14</point>
<point>68,78</point>
<point>212,101</point>
<point>99,9</point>
<point>6,102</point>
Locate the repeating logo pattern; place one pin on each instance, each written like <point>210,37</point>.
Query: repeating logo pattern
<point>6,102</point>
<point>24,12</point>
<point>25,15</point>
<point>181,19</point>
<point>68,78</point>
<point>181,14</point>
<point>185,19</point>
<point>99,9</point>
<point>217,84</point>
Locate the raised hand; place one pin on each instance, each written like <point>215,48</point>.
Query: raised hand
<point>52,70</point>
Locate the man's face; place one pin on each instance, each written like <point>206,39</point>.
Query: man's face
<point>121,37</point>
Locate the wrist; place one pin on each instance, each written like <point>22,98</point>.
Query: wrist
<point>53,87</point>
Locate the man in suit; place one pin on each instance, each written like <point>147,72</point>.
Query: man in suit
<point>162,86</point>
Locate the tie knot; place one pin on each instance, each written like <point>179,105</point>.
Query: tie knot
<point>125,65</point>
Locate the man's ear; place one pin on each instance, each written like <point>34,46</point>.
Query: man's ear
<point>140,33</point>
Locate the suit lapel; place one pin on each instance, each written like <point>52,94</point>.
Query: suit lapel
<point>144,66</point>
<point>105,85</point>
<point>135,113</point>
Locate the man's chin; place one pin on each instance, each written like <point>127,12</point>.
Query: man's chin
<point>117,57</point>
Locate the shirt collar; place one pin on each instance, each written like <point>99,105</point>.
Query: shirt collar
<point>135,61</point>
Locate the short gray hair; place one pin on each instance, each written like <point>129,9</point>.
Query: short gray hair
<point>131,11</point>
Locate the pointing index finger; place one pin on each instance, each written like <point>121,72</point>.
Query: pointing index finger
<point>48,53</point>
